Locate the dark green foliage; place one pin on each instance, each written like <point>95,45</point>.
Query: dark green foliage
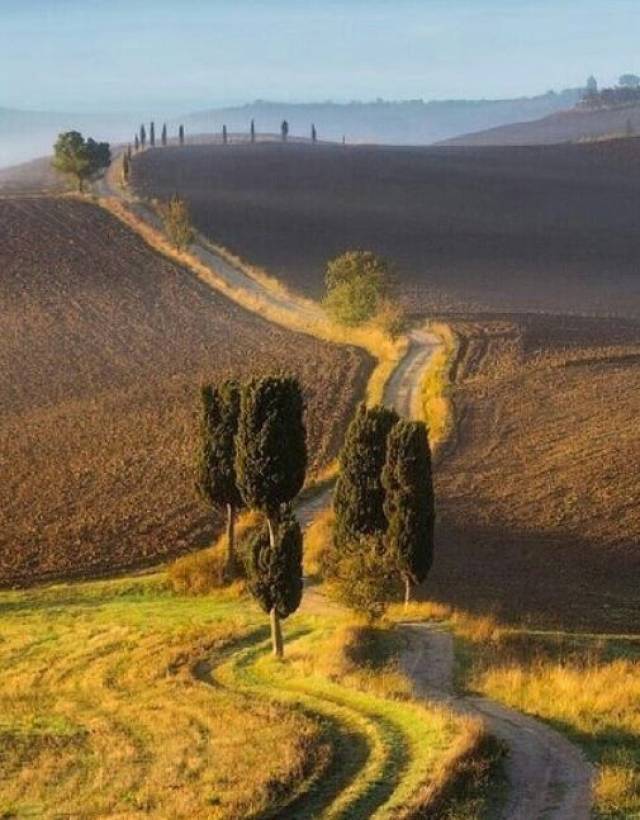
<point>225,135</point>
<point>163,136</point>
<point>271,450</point>
<point>216,474</point>
<point>152,135</point>
<point>143,135</point>
<point>314,134</point>
<point>354,264</point>
<point>136,142</point>
<point>409,501</point>
<point>284,130</point>
<point>359,495</point>
<point>275,574</point>
<point>79,157</point>
<point>253,131</point>
<point>129,151</point>
<point>181,135</point>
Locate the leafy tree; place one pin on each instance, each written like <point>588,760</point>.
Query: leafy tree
<point>125,167</point>
<point>181,135</point>
<point>592,85</point>
<point>359,494</point>
<point>216,474</point>
<point>363,577</point>
<point>409,502</point>
<point>274,573</point>
<point>271,454</point>
<point>284,130</point>
<point>143,135</point>
<point>357,284</point>
<point>163,136</point>
<point>136,143</point>
<point>225,135</point>
<point>152,135</point>
<point>177,222</point>
<point>253,131</point>
<point>314,134</point>
<point>629,81</point>
<point>81,158</point>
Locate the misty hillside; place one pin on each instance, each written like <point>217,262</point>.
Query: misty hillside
<point>564,126</point>
<point>399,123</point>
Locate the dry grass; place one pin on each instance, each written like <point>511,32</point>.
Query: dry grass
<point>103,347</point>
<point>437,407</point>
<point>536,499</point>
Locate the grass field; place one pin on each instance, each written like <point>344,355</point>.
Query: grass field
<point>550,228</point>
<point>538,490</point>
<point>121,698</point>
<point>103,346</point>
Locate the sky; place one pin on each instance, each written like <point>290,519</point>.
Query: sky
<point>184,55</point>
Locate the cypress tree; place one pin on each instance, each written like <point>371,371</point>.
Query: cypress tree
<point>163,136</point>
<point>271,455</point>
<point>181,135</point>
<point>143,136</point>
<point>409,502</point>
<point>216,475</point>
<point>129,151</point>
<point>275,573</point>
<point>225,135</point>
<point>136,143</point>
<point>253,131</point>
<point>359,494</point>
<point>314,134</point>
<point>152,135</point>
<point>284,130</point>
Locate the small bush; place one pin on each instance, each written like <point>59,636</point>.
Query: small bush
<point>318,540</point>
<point>177,222</point>
<point>198,573</point>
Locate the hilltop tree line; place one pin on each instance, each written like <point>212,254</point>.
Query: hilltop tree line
<point>626,92</point>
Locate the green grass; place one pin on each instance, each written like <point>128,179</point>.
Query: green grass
<point>121,697</point>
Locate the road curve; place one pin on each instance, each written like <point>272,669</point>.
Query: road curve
<point>548,776</point>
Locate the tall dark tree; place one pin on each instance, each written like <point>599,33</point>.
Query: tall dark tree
<point>216,474</point>
<point>409,502</point>
<point>225,135</point>
<point>314,134</point>
<point>143,136</point>
<point>359,494</point>
<point>152,135</point>
<point>271,455</point>
<point>181,135</point>
<point>275,573</point>
<point>80,158</point>
<point>129,151</point>
<point>163,136</point>
<point>136,143</point>
<point>252,131</point>
<point>284,130</point>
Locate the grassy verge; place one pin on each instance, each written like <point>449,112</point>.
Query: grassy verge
<point>586,686</point>
<point>120,697</point>
<point>437,404</point>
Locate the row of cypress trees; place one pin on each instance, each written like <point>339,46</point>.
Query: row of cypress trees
<point>385,492</point>
<point>254,455</point>
<point>284,132</point>
<point>140,137</point>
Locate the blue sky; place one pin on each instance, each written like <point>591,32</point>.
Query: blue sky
<point>125,55</point>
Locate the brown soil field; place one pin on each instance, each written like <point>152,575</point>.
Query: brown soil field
<point>549,228</point>
<point>103,346</point>
<point>539,491</point>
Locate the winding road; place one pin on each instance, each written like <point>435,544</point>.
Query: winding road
<point>548,776</point>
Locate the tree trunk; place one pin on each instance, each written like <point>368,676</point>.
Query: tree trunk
<point>276,634</point>
<point>272,524</point>
<point>231,566</point>
<point>80,185</point>
<point>407,591</point>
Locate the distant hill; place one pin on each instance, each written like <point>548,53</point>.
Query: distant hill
<point>399,123</point>
<point>576,125</point>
